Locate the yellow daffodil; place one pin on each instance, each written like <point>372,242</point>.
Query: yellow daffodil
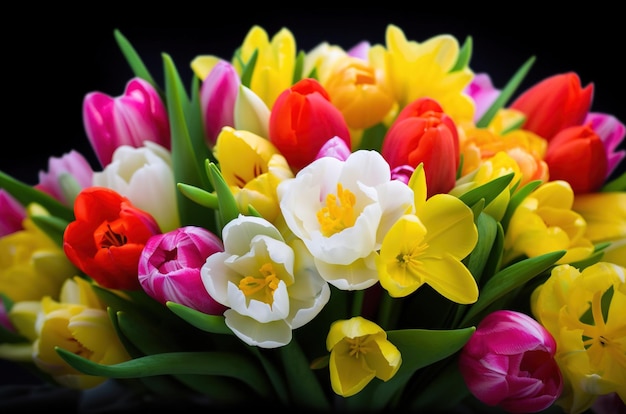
<point>31,264</point>
<point>584,311</point>
<point>359,351</point>
<point>545,222</point>
<point>417,70</point>
<point>428,248</point>
<point>83,328</point>
<point>253,168</point>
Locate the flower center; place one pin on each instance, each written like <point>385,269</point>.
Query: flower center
<point>261,287</point>
<point>408,258</point>
<point>358,346</point>
<point>338,214</point>
<point>110,234</point>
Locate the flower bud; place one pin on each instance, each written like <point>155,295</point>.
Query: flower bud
<point>217,99</point>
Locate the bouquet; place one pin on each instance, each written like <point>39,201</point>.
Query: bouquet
<point>371,229</point>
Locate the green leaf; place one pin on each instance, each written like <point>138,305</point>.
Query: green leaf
<point>232,365</point>
<point>516,199</point>
<point>198,195</point>
<point>506,93</point>
<point>248,69</point>
<point>228,209</point>
<point>54,227</point>
<point>304,387</point>
<point>419,348</point>
<point>507,280</point>
<point>488,191</point>
<point>26,194</point>
<point>373,137</point>
<point>299,67</point>
<point>443,392</point>
<point>617,184</point>
<point>208,323</point>
<point>464,55</point>
<point>134,61</point>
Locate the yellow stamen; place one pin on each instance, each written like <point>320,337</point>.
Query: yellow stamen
<point>358,346</point>
<point>261,287</point>
<point>338,214</point>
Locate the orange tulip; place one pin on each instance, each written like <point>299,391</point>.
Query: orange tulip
<point>553,104</point>
<point>577,155</point>
<point>423,133</point>
<point>302,120</point>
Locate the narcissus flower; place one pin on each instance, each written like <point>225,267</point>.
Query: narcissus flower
<point>137,116</point>
<point>359,351</point>
<point>509,362</point>
<point>107,237</point>
<point>269,286</point>
<point>169,267</point>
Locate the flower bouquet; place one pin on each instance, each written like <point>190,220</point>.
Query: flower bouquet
<point>372,229</point>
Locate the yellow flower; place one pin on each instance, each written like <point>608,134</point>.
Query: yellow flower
<point>359,351</point>
<point>584,311</point>
<point>253,168</point>
<point>31,264</point>
<point>428,247</point>
<point>83,328</point>
<point>544,222</point>
<point>417,70</point>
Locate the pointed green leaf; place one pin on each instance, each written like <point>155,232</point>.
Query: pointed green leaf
<point>248,69</point>
<point>516,199</point>
<point>299,67</point>
<point>488,191</point>
<point>198,195</point>
<point>506,93</point>
<point>509,279</point>
<point>228,209</point>
<point>27,194</point>
<point>464,55</point>
<point>233,365</point>
<point>134,61</point>
<point>208,323</point>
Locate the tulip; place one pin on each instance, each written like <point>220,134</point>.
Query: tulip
<point>217,99</point>
<point>251,113</point>
<point>145,176</point>
<point>359,351</point>
<point>423,133</point>
<point>553,104</point>
<point>302,120</point>
<point>612,133</point>
<point>482,91</point>
<point>107,237</point>
<point>137,116</point>
<point>577,155</point>
<point>336,148</point>
<point>66,176</point>
<point>169,267</point>
<point>13,213</point>
<point>509,362</point>
<point>22,319</point>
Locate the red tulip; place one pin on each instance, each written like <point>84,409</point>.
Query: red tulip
<point>423,133</point>
<point>554,104</point>
<point>107,237</point>
<point>302,120</point>
<point>577,155</point>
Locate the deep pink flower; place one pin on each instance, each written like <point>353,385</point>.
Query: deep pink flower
<point>13,213</point>
<point>483,93</point>
<point>169,268</point>
<point>218,94</point>
<point>73,164</point>
<point>509,362</point>
<point>130,119</point>
<point>612,133</point>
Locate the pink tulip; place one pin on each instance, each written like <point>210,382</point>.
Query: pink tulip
<point>169,268</point>
<point>336,148</point>
<point>484,94</point>
<point>13,213</point>
<point>217,99</point>
<point>509,362</point>
<point>612,133</point>
<point>130,119</point>
<point>73,164</point>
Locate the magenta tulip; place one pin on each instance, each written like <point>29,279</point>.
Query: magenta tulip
<point>612,133</point>
<point>217,99</point>
<point>13,213</point>
<point>72,164</point>
<point>130,119</point>
<point>169,268</point>
<point>509,362</point>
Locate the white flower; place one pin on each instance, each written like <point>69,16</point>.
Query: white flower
<point>270,287</point>
<point>342,210</point>
<point>144,175</point>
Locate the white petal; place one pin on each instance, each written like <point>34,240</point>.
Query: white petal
<point>265,335</point>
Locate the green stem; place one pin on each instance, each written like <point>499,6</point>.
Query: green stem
<point>385,311</point>
<point>357,302</point>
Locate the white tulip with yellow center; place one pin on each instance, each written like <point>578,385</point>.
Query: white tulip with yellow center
<point>271,287</point>
<point>342,210</point>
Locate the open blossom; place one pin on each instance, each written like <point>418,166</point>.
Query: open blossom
<point>78,322</point>
<point>302,120</point>
<point>359,351</point>
<point>107,237</point>
<point>66,176</point>
<point>584,310</point>
<point>341,210</point>
<point>510,362</point>
<point>169,267</point>
<point>269,286</point>
<point>137,116</point>
<point>144,175</point>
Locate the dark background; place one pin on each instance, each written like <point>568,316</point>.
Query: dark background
<point>51,65</point>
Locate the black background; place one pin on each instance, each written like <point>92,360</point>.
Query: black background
<point>51,65</point>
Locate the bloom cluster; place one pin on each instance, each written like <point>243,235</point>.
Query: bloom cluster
<point>366,229</point>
